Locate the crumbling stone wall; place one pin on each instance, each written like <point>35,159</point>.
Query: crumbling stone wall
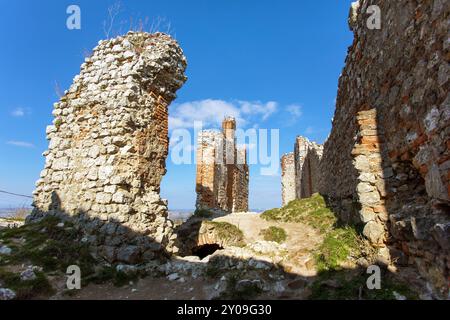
<point>240,181</point>
<point>310,171</point>
<point>108,146</point>
<point>386,163</point>
<point>288,178</point>
<point>222,171</point>
<point>301,148</point>
<point>207,181</point>
<point>300,171</point>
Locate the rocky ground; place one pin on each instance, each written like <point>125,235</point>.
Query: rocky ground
<point>275,257</point>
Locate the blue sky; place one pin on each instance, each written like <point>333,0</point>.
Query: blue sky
<point>273,64</point>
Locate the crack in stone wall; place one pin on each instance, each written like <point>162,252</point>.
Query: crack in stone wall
<point>108,146</point>
<point>386,164</point>
<point>222,171</point>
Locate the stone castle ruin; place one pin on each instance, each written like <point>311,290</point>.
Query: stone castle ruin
<point>386,164</point>
<point>222,171</point>
<point>108,146</point>
<point>300,172</point>
<point>288,178</point>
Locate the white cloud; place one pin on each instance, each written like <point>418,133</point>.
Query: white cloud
<point>265,110</point>
<point>309,130</point>
<point>21,144</point>
<point>211,112</point>
<point>20,112</point>
<point>295,110</point>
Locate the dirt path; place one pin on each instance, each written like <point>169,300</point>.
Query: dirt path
<point>147,289</point>
<point>301,239</point>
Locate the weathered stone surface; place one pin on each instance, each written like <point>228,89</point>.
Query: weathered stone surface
<point>108,146</point>
<point>391,133</point>
<point>374,232</point>
<point>310,171</point>
<point>129,254</point>
<point>5,250</point>
<point>288,178</point>
<point>300,170</point>
<point>27,274</point>
<point>7,294</point>
<point>222,171</point>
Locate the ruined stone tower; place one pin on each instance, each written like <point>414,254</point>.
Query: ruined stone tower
<point>222,171</point>
<point>300,174</point>
<point>288,178</point>
<point>108,146</point>
<point>386,164</point>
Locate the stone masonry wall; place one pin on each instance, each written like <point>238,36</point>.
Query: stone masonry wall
<point>310,172</point>
<point>288,178</point>
<point>210,184</point>
<point>240,181</point>
<point>108,146</point>
<point>222,171</point>
<point>301,148</point>
<point>386,163</point>
<point>300,174</point>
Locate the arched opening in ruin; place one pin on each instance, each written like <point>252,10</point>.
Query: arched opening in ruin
<point>205,250</point>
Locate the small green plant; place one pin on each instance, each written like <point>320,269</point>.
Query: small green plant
<point>58,123</point>
<point>227,233</point>
<point>203,213</point>
<point>336,247</point>
<point>49,246</point>
<point>38,287</point>
<point>274,234</point>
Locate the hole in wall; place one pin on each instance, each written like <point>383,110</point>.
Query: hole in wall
<point>205,250</point>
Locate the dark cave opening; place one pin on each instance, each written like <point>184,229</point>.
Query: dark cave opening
<point>205,250</point>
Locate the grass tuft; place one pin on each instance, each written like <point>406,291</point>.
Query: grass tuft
<point>38,287</point>
<point>338,245</point>
<point>275,234</point>
<point>226,232</point>
<point>312,211</point>
<point>47,245</point>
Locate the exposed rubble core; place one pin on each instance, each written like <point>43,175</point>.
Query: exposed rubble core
<point>222,171</point>
<point>288,178</point>
<point>300,173</point>
<point>394,102</point>
<point>108,146</point>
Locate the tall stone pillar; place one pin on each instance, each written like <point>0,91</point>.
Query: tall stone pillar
<point>301,148</point>
<point>288,178</point>
<point>222,176</point>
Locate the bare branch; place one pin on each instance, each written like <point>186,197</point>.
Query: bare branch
<point>108,24</point>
